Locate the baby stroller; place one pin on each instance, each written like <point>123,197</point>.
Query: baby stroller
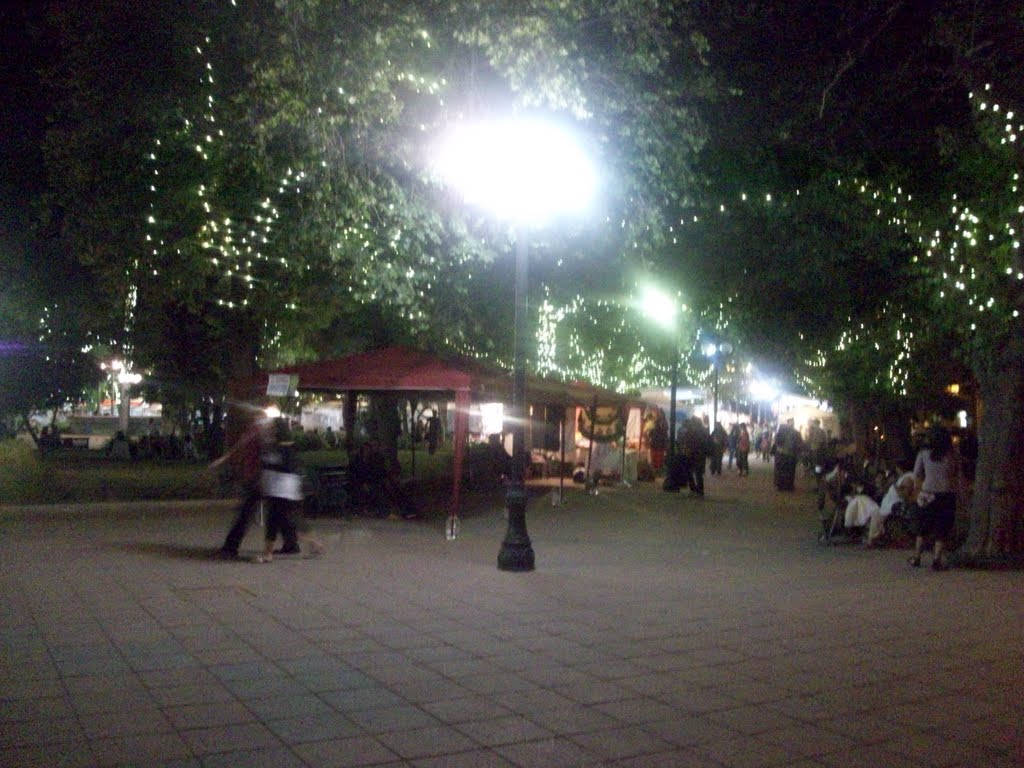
<point>836,492</point>
<point>831,504</point>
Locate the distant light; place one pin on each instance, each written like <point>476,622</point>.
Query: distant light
<point>763,390</point>
<point>492,418</point>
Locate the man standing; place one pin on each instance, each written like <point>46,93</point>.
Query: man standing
<point>786,450</point>
<point>695,444</point>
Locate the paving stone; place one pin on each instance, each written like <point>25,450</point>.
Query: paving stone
<point>503,730</point>
<point>719,634</point>
<point>427,742</point>
<point>70,754</point>
<point>346,753</point>
<point>146,749</point>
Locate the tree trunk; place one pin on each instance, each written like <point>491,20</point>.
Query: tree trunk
<point>385,424</point>
<point>996,534</point>
<point>241,411</point>
<point>896,429</point>
<point>860,426</point>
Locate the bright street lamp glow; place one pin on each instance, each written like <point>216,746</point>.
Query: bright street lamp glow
<point>659,307</point>
<point>763,390</point>
<point>710,350</point>
<point>526,170</point>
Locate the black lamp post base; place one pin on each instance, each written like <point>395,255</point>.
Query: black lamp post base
<point>516,557</point>
<point>516,552</point>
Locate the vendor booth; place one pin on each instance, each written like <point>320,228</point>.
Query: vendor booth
<point>471,385</point>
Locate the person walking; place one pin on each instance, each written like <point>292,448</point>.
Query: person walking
<point>281,486</point>
<point>743,451</point>
<point>937,470</point>
<point>719,438</point>
<point>245,458</point>
<point>733,439</point>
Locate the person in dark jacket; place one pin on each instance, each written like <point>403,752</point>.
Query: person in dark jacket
<point>695,445</point>
<point>786,449</point>
<point>719,440</point>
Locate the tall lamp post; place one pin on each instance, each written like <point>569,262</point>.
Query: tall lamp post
<point>716,352</point>
<point>524,171</point>
<point>661,308</point>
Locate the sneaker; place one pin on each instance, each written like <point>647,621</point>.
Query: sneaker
<point>226,554</point>
<point>938,565</point>
<point>288,551</point>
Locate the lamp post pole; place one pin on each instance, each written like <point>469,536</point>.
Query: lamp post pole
<point>516,553</point>
<point>716,352</point>
<point>672,402</point>
<point>714,412</point>
<point>525,170</point>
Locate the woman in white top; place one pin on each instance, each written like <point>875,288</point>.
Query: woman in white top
<point>902,491</point>
<point>937,470</point>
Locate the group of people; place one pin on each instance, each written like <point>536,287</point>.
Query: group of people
<point>925,492</point>
<point>267,466</point>
<point>697,449</point>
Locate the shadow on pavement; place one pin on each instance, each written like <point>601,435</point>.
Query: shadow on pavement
<point>175,551</point>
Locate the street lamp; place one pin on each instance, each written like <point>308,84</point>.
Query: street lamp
<point>525,171</point>
<point>662,310</point>
<point>716,352</point>
<point>763,391</point>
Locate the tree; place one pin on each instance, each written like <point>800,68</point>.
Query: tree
<point>878,102</point>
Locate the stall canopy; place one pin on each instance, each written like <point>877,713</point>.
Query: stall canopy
<point>408,370</point>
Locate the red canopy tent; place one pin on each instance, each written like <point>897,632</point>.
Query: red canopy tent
<point>403,369</point>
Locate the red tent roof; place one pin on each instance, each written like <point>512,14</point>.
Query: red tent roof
<point>411,370</point>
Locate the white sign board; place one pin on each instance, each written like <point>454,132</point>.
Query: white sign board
<point>281,385</point>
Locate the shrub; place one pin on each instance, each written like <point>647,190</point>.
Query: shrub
<point>24,477</point>
<point>307,441</point>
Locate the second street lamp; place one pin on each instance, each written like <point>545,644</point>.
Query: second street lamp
<point>716,352</point>
<point>525,171</point>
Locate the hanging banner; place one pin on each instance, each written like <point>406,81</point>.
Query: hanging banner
<point>602,424</point>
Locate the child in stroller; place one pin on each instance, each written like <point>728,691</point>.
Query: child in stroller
<point>848,501</point>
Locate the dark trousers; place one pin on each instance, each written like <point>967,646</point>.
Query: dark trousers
<point>282,517</point>
<point>250,500</point>
<point>716,463</point>
<point>785,471</point>
<point>677,473</point>
<point>697,477</point>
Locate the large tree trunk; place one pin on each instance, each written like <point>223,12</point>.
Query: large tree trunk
<point>896,446</point>
<point>996,535</point>
<point>860,425</point>
<point>241,373</point>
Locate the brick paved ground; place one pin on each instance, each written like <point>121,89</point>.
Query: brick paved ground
<point>657,630</point>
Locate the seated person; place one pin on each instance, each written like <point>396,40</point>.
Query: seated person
<point>860,508</point>
<point>371,483</point>
<point>902,491</point>
<point>119,448</point>
<point>835,487</point>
